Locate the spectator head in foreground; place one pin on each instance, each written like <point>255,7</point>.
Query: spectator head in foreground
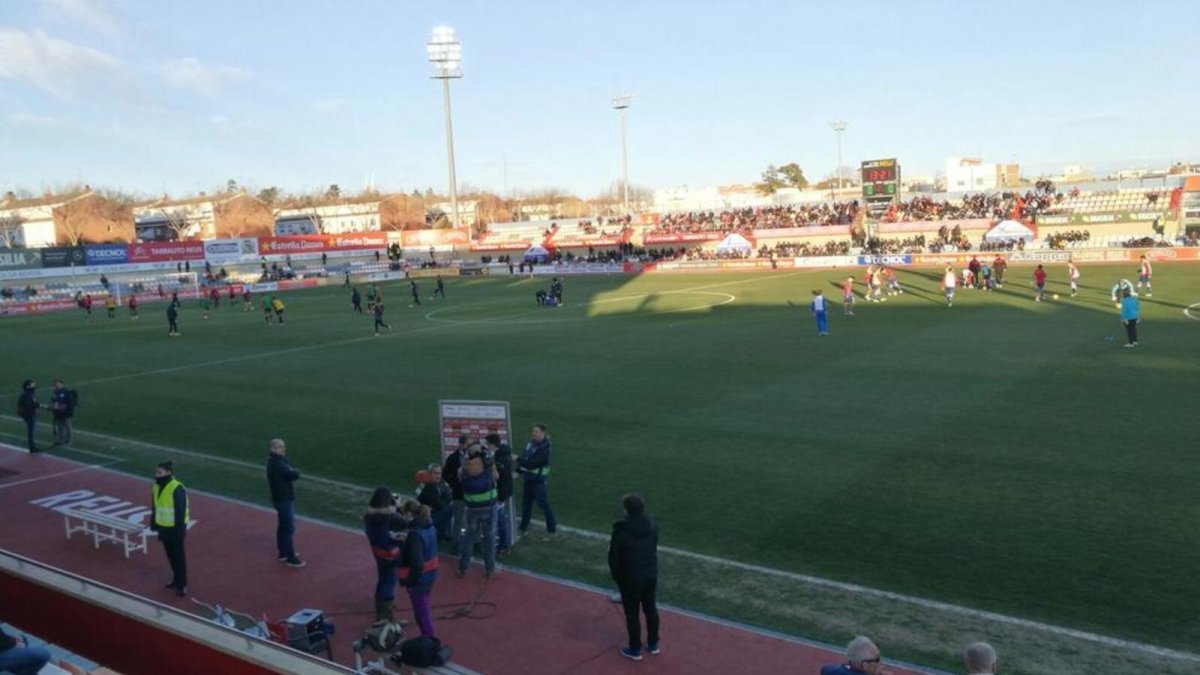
<point>862,656</point>
<point>980,658</point>
<point>634,504</point>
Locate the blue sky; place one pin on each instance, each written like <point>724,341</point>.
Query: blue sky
<point>180,96</point>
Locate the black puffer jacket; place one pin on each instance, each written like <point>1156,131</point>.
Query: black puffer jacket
<point>633,550</point>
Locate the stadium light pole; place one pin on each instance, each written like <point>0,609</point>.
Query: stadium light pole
<point>838,127</point>
<point>621,104</point>
<point>445,53</point>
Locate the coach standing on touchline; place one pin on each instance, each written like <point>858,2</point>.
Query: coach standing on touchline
<point>280,476</point>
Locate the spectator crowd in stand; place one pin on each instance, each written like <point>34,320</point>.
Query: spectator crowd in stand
<point>1059,240</point>
<point>760,218</point>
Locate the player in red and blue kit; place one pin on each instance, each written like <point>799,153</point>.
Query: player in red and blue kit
<point>1144,273</point>
<point>1039,277</point>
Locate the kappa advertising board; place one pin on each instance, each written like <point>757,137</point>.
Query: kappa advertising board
<point>106,254</point>
<point>63,256</point>
<point>892,259</point>
<point>20,259</point>
<point>1038,256</point>
<point>230,250</point>
<point>166,251</point>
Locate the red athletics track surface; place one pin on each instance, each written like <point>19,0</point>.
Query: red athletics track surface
<point>537,626</point>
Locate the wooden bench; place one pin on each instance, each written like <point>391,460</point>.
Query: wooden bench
<point>130,536</point>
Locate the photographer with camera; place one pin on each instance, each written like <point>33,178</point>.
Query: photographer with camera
<point>478,477</point>
<point>385,530</point>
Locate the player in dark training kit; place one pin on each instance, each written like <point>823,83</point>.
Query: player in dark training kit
<point>379,318</point>
<point>416,294</point>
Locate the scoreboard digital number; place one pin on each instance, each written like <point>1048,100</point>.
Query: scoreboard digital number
<point>880,184</point>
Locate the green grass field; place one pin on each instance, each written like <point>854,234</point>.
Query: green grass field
<point>1000,454</point>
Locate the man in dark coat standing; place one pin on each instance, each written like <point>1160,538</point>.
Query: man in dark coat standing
<point>27,407</point>
<point>280,476</point>
<point>633,563</point>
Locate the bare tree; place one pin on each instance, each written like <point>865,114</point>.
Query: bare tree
<point>177,222</point>
<point>10,231</point>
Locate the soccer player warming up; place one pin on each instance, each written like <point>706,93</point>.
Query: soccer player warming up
<point>1073,275</point>
<point>1144,272</point>
<point>848,296</point>
<point>949,282</point>
<point>1039,279</point>
<point>818,310</point>
<point>378,310</point>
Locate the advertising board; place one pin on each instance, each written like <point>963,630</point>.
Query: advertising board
<point>166,251</point>
<point>106,254</point>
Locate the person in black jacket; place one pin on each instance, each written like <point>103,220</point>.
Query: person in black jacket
<point>62,405</point>
<point>436,493</point>
<point>450,468</point>
<point>169,515</point>
<point>27,407</point>
<point>633,563</point>
<point>280,476</point>
<point>173,318</point>
<point>502,459</point>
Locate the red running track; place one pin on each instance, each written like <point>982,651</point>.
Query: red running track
<point>537,626</point>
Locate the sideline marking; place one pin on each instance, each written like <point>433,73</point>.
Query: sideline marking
<point>857,589</point>
<point>1187,311</point>
<point>186,453</point>
<point>59,474</point>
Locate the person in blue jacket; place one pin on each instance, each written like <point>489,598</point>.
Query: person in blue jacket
<point>534,467</point>
<point>1131,315</point>
<point>419,563</point>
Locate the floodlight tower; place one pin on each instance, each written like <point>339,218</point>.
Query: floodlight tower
<point>620,104</point>
<point>838,127</point>
<point>445,53</point>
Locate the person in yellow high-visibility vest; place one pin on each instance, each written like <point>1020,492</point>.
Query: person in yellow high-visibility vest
<point>169,515</point>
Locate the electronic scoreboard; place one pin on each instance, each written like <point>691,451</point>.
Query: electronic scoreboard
<point>880,185</point>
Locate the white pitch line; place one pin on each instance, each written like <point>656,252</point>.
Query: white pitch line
<point>1187,311</point>
<point>191,453</point>
<point>60,474</point>
<point>919,602</point>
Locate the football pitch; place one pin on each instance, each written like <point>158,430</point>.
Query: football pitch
<point>1001,454</point>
